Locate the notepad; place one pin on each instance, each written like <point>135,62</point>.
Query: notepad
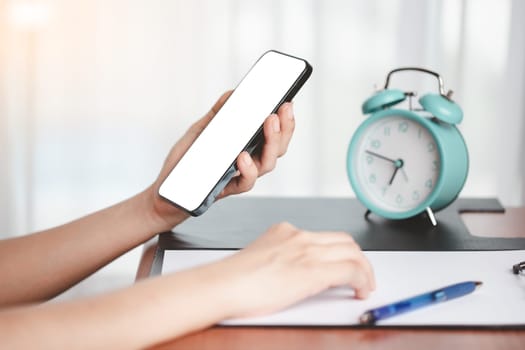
<point>500,302</point>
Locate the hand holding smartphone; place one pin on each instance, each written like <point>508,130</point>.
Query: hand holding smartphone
<point>210,162</point>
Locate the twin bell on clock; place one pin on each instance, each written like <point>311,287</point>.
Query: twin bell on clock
<point>404,162</point>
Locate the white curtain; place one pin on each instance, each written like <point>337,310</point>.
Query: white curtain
<point>94,93</point>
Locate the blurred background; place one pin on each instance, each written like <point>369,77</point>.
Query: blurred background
<point>93,93</point>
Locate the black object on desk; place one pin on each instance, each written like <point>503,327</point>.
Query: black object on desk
<point>518,268</point>
<point>232,223</point>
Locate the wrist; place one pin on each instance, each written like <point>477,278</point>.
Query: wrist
<point>222,289</point>
<point>161,215</point>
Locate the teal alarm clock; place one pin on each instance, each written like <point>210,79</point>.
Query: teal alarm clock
<point>405,162</point>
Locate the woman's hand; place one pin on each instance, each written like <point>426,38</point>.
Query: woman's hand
<point>286,265</point>
<point>278,129</point>
<point>282,267</point>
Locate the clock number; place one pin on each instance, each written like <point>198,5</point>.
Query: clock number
<point>429,183</point>
<point>399,199</point>
<point>369,159</point>
<point>376,144</point>
<point>431,147</point>
<point>434,165</point>
<point>403,127</point>
<point>416,195</point>
<point>383,190</point>
<point>372,178</point>
<point>387,131</point>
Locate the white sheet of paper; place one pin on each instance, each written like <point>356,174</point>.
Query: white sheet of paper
<point>399,274</point>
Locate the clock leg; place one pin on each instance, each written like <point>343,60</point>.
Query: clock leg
<point>367,214</point>
<point>431,216</point>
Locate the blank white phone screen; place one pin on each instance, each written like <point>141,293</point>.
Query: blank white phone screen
<point>212,153</point>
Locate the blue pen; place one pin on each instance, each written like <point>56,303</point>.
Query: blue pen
<point>418,301</point>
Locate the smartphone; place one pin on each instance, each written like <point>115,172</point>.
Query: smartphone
<point>210,162</point>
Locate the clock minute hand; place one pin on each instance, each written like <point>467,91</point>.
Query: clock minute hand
<point>380,156</point>
<point>398,164</point>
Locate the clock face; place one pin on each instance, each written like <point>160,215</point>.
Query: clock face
<point>396,164</point>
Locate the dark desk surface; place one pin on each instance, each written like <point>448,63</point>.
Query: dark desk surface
<point>509,224</point>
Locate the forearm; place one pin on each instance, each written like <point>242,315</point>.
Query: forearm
<point>150,312</point>
<point>280,268</point>
<point>41,265</point>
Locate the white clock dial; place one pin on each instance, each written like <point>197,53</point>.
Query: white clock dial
<point>397,163</point>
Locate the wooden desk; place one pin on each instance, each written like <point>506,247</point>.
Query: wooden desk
<point>509,224</point>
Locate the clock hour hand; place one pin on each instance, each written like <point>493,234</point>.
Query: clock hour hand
<point>399,165</point>
<point>393,176</point>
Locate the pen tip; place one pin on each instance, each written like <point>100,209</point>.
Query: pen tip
<point>367,318</point>
<point>478,283</point>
